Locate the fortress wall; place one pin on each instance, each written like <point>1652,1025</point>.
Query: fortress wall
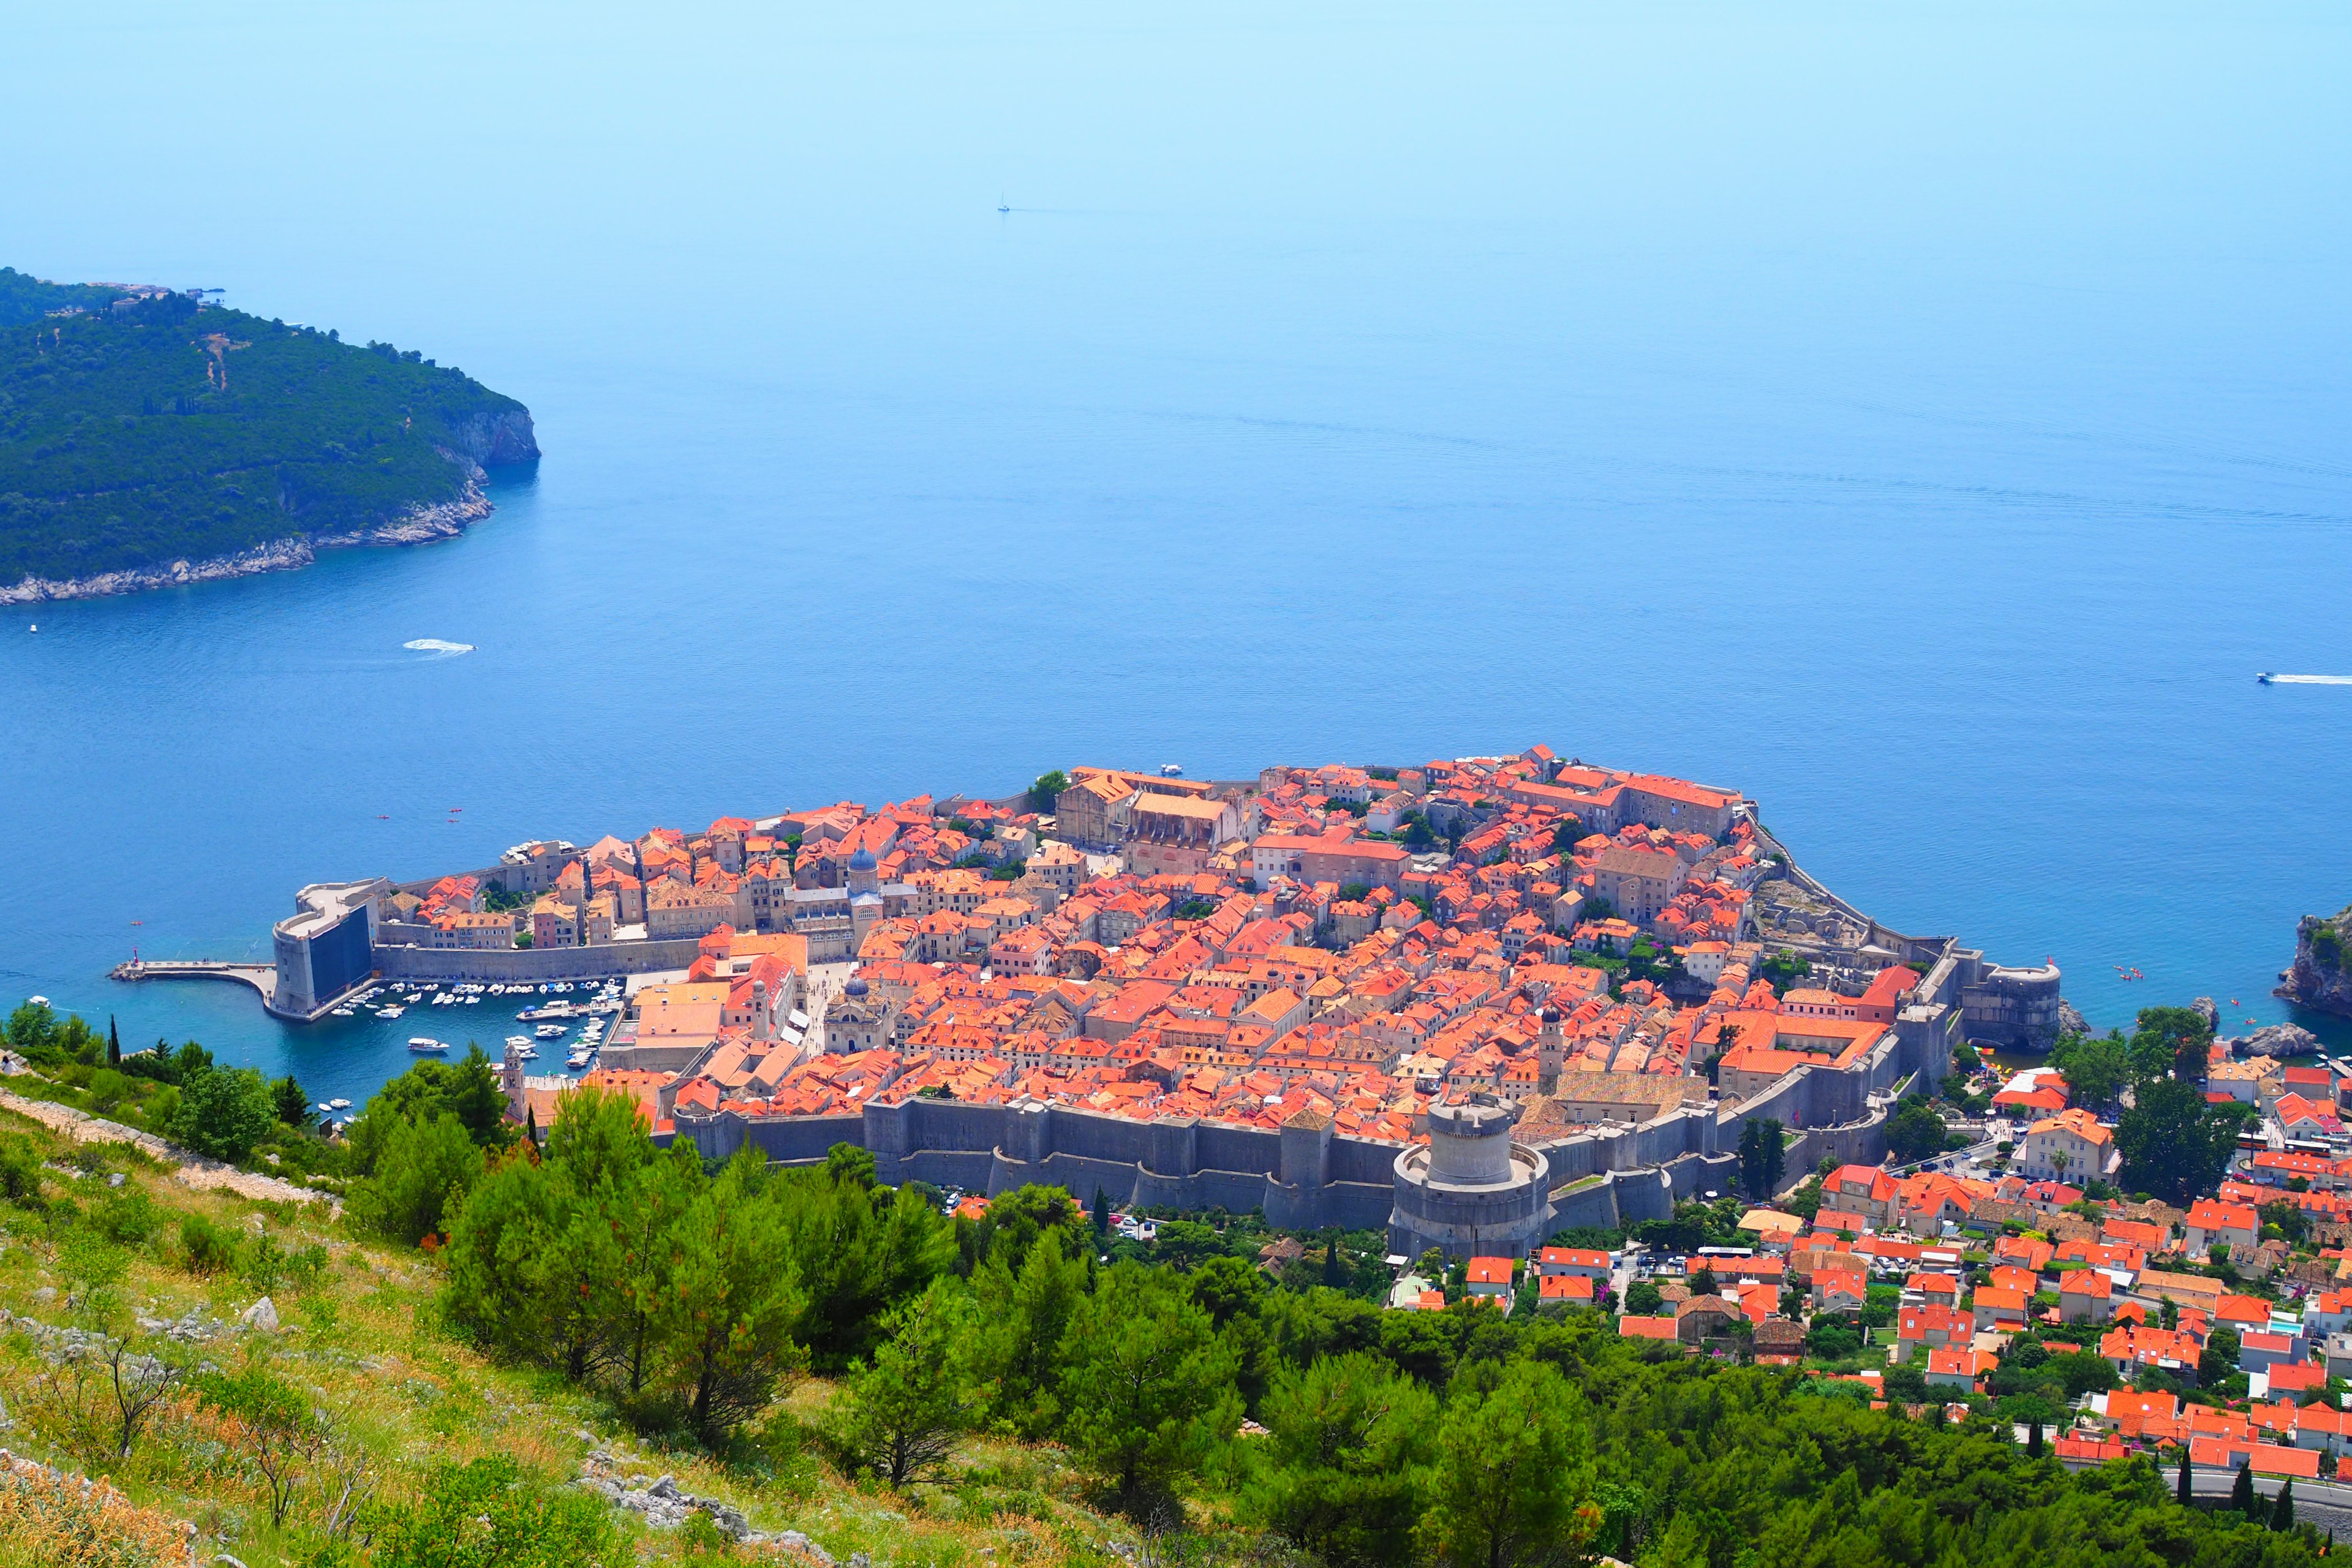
<point>1362,1160</point>
<point>531,965</point>
<point>1239,1149</point>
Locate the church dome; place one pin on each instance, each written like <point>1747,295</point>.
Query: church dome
<point>862,861</point>
<point>855,988</point>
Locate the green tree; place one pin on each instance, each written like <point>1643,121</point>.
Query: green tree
<point>1514,1471</point>
<point>1346,1474</point>
<point>900,1416</point>
<point>725,1322</point>
<point>2171,1042</point>
<point>1226,1287</point>
<point>1914,1131</point>
<point>224,1113</point>
<point>2173,1143</point>
<point>1148,1385</point>
<point>422,1177</point>
<point>1024,1318</point>
<point>860,1253</point>
<point>466,1089</point>
<point>850,1163</point>
<point>1048,786</point>
<point>2097,1070</point>
<point>2283,1506</point>
<point>2241,1491</point>
<point>287,1103</point>
<point>1642,1299</point>
<point>1186,1244</point>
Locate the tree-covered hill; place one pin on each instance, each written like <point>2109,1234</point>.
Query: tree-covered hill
<point>142,430</point>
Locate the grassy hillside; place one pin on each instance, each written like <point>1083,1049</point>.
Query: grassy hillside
<point>397,1402</point>
<point>139,434</point>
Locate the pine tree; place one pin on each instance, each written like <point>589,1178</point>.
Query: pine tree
<point>530,1124</point>
<point>1334,1275</point>
<point>1102,1212</point>
<point>113,1043</point>
<point>2033,1440</point>
<point>2283,1508</point>
<point>2182,1492</point>
<point>2241,1491</point>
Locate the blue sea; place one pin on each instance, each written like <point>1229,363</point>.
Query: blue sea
<point>1926,418</point>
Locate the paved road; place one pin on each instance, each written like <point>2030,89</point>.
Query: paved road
<point>2324,1503</point>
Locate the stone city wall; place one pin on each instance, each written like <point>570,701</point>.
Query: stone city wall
<point>529,965</point>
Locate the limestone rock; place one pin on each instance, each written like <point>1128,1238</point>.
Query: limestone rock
<point>2277,1040</point>
<point>262,1315</point>
<point>2322,975</point>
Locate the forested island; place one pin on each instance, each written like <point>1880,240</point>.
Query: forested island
<point>148,438</point>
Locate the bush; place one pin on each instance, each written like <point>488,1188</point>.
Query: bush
<point>20,1171</point>
<point>205,1247</point>
<point>127,1216</point>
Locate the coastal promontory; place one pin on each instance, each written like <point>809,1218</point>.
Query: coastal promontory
<point>2321,978</point>
<point>148,438</point>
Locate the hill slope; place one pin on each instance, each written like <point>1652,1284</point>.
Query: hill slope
<point>146,438</point>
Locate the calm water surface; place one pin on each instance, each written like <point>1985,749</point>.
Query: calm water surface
<point>1928,422</point>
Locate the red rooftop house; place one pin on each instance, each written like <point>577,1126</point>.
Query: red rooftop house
<point>2212,1224</point>
<point>2000,1309</point>
<point>1574,1288</point>
<point>2086,1296</point>
<point>1586,1262</point>
<point>1956,1366</point>
<point>1490,1277</point>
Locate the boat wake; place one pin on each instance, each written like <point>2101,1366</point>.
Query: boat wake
<point>451,650</point>
<point>2299,679</point>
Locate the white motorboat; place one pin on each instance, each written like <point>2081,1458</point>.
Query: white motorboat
<point>338,1105</point>
<point>551,1031</point>
<point>391,1012</point>
<point>425,1044</point>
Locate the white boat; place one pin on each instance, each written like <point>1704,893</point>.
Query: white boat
<point>338,1105</point>
<point>390,1011</point>
<point>552,1031</point>
<point>347,1013</point>
<point>525,1053</point>
<point>576,1059</point>
<point>323,1108</point>
<point>517,1039</point>
<point>425,1044</point>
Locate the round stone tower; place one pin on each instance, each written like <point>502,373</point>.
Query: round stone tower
<point>1471,1191</point>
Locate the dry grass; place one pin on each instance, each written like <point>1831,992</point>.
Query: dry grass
<point>63,1522</point>
<point>363,1341</point>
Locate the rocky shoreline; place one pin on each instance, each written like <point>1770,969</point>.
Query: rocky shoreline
<point>2321,978</point>
<point>419,526</point>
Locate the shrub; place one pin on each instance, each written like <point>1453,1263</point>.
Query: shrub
<point>127,1216</point>
<point>207,1247</point>
<point>20,1171</point>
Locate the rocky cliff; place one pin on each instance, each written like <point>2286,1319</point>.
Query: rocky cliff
<point>492,438</point>
<point>2320,979</point>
